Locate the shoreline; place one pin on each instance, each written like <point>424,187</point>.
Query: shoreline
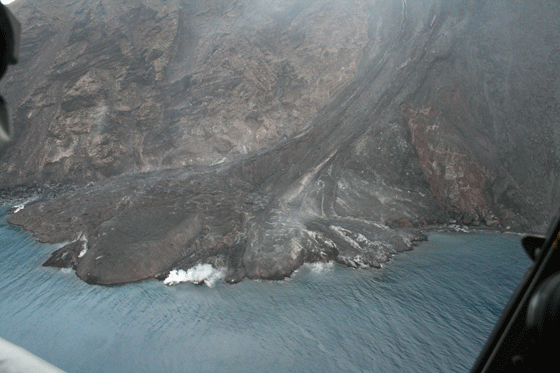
<point>459,228</point>
<point>70,255</point>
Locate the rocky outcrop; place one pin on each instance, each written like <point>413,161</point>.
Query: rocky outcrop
<point>456,179</point>
<point>258,137</point>
<point>113,86</point>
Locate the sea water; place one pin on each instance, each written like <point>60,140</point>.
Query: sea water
<point>429,310</point>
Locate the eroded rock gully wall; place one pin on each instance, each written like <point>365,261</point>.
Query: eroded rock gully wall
<point>260,135</point>
<point>112,86</point>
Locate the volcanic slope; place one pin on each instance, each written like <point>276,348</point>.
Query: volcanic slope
<point>257,136</point>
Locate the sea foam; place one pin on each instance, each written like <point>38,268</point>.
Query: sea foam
<point>199,274</point>
<point>18,208</point>
<point>319,267</point>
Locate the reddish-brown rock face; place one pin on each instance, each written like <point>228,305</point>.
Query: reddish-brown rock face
<point>455,178</point>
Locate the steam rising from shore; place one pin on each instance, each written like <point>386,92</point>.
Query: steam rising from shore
<point>198,275</point>
<point>319,267</point>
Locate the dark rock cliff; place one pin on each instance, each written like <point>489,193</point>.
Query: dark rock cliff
<point>259,135</point>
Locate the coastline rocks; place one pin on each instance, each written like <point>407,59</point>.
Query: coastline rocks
<point>469,218</point>
<point>492,221</point>
<point>146,226</point>
<point>67,256</point>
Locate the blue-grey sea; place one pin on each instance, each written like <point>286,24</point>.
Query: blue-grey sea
<point>429,310</point>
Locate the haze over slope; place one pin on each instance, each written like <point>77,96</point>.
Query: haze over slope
<point>256,135</point>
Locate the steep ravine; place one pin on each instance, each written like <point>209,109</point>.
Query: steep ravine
<point>257,137</point>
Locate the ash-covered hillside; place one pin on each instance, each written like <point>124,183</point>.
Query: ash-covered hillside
<point>259,135</point>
